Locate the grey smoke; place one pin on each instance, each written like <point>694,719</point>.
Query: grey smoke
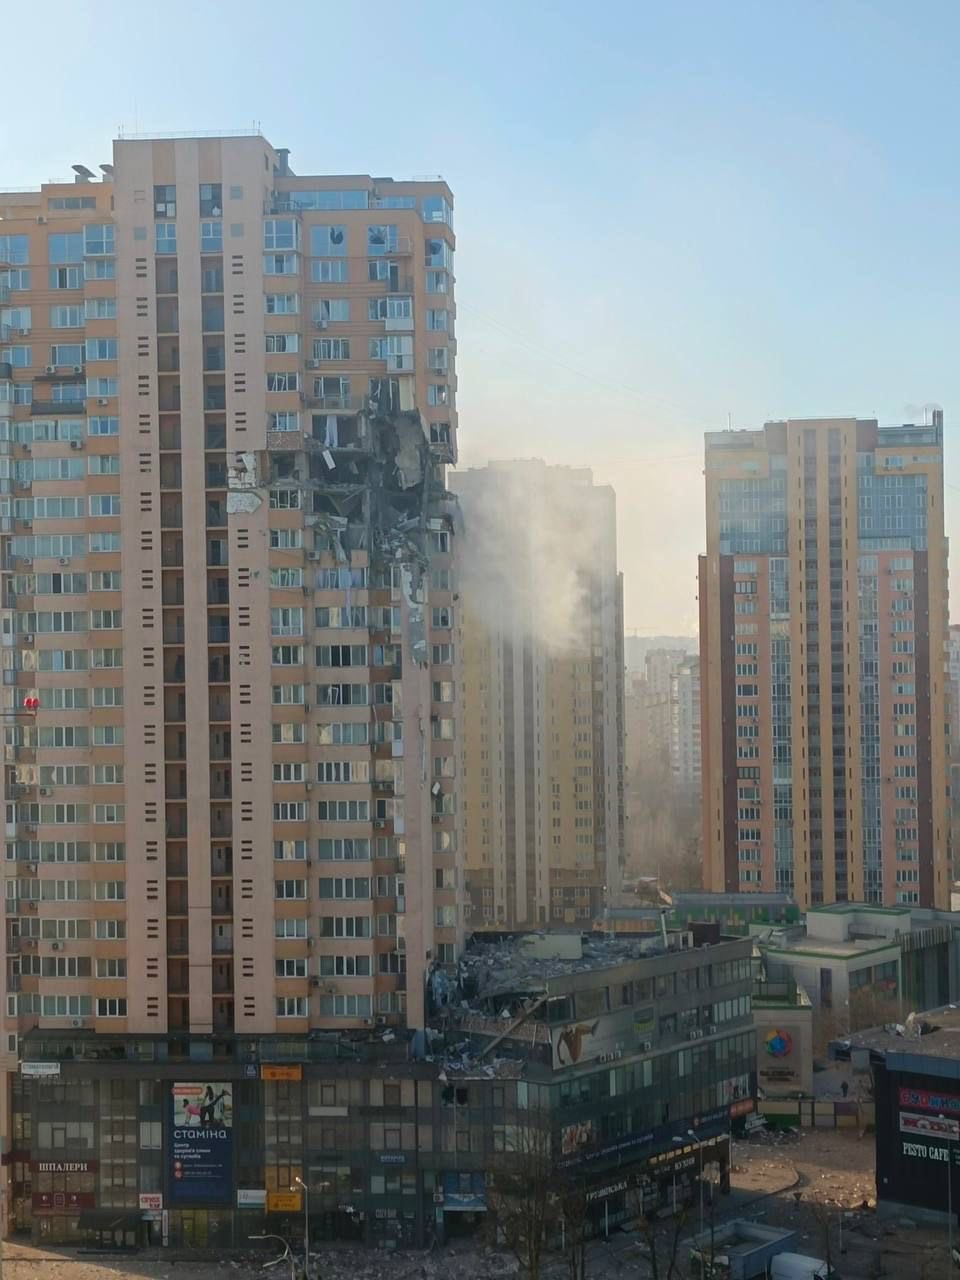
<point>535,537</point>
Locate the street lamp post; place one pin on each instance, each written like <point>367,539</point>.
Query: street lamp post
<point>949,1194</point>
<point>306,1226</point>
<point>287,1253</point>
<point>691,1134</point>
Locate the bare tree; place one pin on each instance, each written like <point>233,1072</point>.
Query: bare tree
<point>825,1216</point>
<point>575,1232</point>
<point>521,1196</point>
<point>660,1240</point>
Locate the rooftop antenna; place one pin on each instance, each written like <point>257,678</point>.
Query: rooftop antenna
<point>729,421</point>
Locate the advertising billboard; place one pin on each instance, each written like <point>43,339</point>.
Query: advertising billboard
<point>201,1143</point>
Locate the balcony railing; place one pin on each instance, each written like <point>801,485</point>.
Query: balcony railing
<point>60,408</point>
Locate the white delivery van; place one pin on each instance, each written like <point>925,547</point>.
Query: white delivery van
<point>799,1266</point>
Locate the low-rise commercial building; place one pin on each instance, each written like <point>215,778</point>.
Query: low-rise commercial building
<point>915,1069</point>
<point>861,963</point>
<point>635,1056</point>
<point>783,1020</point>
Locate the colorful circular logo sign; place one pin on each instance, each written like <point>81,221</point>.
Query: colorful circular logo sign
<point>778,1043</point>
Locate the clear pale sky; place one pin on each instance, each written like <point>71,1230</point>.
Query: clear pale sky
<point>666,213</point>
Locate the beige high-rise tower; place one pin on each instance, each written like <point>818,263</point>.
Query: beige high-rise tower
<point>542,695</point>
<point>227,398</point>
<point>823,626</point>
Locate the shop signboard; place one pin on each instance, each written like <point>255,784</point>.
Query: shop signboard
<point>251,1198</point>
<point>929,1126</point>
<point>62,1201</point>
<point>281,1072</point>
<point>201,1143</point>
<point>283,1202</point>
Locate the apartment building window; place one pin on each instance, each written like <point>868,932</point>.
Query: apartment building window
<point>66,354</point>
<point>102,387</point>
<point>284,420</point>
<point>101,348</point>
<point>211,199</point>
<point>282,304</point>
<point>343,771</point>
<point>110,890</point>
<point>346,888</point>
<point>343,695</point>
<point>19,357</point>
<point>286,655</point>
<point>345,1006</point>
<point>104,504</point>
<point>282,343</point>
<point>290,889</point>
<point>289,381</point>
<point>442,617</point>
<point>291,1006</point>
<point>290,928</point>
<point>438,319</point>
<point>15,250</point>
<point>286,577</point>
<point>346,966</point>
<point>281,264</point>
<point>292,968</point>
<point>64,247</point>
<point>343,811</point>
<point>98,240</point>
<point>343,850</point>
<point>331,311</point>
<point>165,201</point>
<point>331,349</point>
<point>333,391</point>
<point>108,695</point>
<point>287,695</point>
<point>335,617</point>
<point>166,237</point>
<point>436,281</point>
<point>211,237</point>
<point>328,241</point>
<point>381,238</point>
<point>392,308</point>
<point>286,622</point>
<point>100,308</point>
<point>288,771</point>
<point>286,539</point>
<point>341,655</point>
<point>350,734</point>
<point>65,277</point>
<point>15,278</point>
<point>285,499</point>
<point>438,394</point>
<point>281,233</point>
<point>109,813</point>
<point>107,735</point>
<point>329,271</point>
<point>288,733</point>
<point>438,359</point>
<point>18,318</point>
<point>62,317</point>
<point>103,426</point>
<point>99,269</point>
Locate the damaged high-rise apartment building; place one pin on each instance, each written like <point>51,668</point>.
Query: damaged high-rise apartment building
<point>226,404</point>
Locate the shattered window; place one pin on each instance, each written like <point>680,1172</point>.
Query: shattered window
<point>381,239</point>
<point>328,242</point>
